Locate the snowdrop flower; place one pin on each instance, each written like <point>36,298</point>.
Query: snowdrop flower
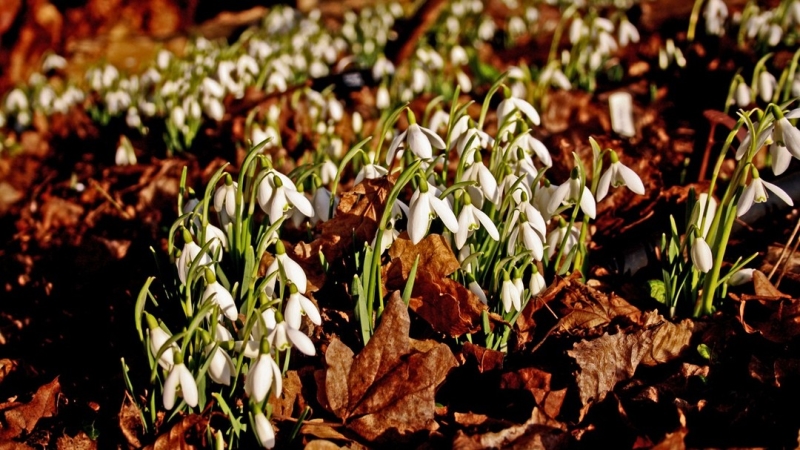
<point>424,206</point>
<point>510,295</point>
<point>322,201</point>
<point>481,175</point>
<point>382,99</point>
<point>159,337</point>
<point>132,118</point>
<point>618,175</point>
<point>569,194</point>
<point>715,14</point>
<point>627,33</point>
<point>277,194</point>
<point>742,95</point>
<point>291,269</point>
<point>439,120</point>
<point>556,237</point>
<point>756,192</point>
<point>297,305</point>
<point>458,56</point>
<point>225,198</point>
<point>370,172</point>
<point>179,377</point>
<point>766,85</point>
<point>264,431</point>
<point>221,367</point>
<point>476,289</point>
<point>125,155</point>
<point>528,228</point>
<point>419,140</point>
<point>53,62</point>
<point>742,276</point>
<point>698,209</point>
<point>512,108</point>
<point>216,293</point>
<point>283,336</point>
<point>470,219</point>
<point>189,254</point>
<point>537,284</point>
<point>262,375</point>
<point>786,135</point>
<point>218,240</point>
<point>382,68</point>
<point>702,259</point>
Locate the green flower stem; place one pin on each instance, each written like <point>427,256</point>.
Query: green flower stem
<point>710,283</point>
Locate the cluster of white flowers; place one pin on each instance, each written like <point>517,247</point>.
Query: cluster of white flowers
<point>766,28</point>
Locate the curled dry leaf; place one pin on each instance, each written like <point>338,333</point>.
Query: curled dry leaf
<point>189,428</point>
<point>130,421</point>
<point>537,382</point>
<point>446,305</point>
<point>539,432</point>
<point>22,417</point>
<point>486,359</point>
<point>6,367</point>
<point>387,390</point>
<point>609,359</point>
<point>773,314</point>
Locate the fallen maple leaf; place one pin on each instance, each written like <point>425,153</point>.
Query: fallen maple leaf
<point>609,359</point>
<point>387,390</point>
<point>22,417</point>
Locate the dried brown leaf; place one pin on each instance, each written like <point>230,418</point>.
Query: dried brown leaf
<point>6,367</point>
<point>22,417</point>
<point>80,441</point>
<point>775,318</point>
<point>586,308</point>
<point>188,428</point>
<point>130,422</point>
<point>448,306</point>
<point>609,359</point>
<point>537,382</point>
<point>436,258</point>
<point>539,432</point>
<point>383,352</point>
<point>390,384</point>
<point>486,359</point>
<point>283,406</point>
<point>764,288</point>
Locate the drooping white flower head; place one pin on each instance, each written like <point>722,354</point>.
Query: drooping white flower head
<point>618,175</point>
<point>424,206</point>
<point>297,305</point>
<point>702,259</point>
<point>159,337</point>
<point>420,140</point>
<point>294,273</point>
<point>225,198</point>
<point>570,193</point>
<point>513,107</point>
<point>264,431</point>
<point>189,254</point>
<point>179,377</point>
<point>510,295</point>
<point>217,293</point>
<point>527,228</point>
<point>742,276</point>
<point>697,218</point>
<point>756,192</point>
<point>470,219</point>
<point>537,284</point>
<point>283,336</point>
<point>262,375</point>
<point>277,194</point>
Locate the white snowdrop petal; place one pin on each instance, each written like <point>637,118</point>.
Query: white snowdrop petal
<point>632,179</point>
<point>587,203</point>
<point>487,223</point>
<point>779,192</point>
<point>301,342</point>
<point>444,212</point>
<point>188,385</point>
<point>171,389</point>
<point>604,184</point>
<point>311,310</point>
<point>418,143</point>
<point>745,201</point>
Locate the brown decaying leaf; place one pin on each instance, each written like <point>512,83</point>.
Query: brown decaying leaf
<point>387,390</point>
<point>609,359</point>
<point>6,367</point>
<point>773,314</point>
<point>80,441</point>
<point>190,426</point>
<point>283,406</point>
<point>130,421</point>
<point>587,308</point>
<point>446,305</point>
<point>486,359</point>
<point>539,432</point>
<point>537,382</point>
<point>22,417</point>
